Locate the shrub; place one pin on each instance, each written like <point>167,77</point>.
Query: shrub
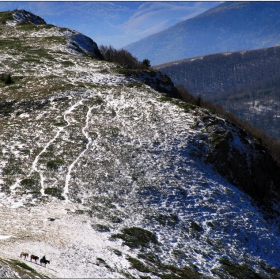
<point>186,96</point>
<point>6,78</point>
<point>198,100</point>
<point>196,226</point>
<point>24,265</point>
<point>135,237</point>
<point>238,270</point>
<point>101,228</point>
<point>117,252</point>
<point>28,182</point>
<point>54,192</point>
<point>149,257</point>
<point>167,220</point>
<point>140,266</point>
<point>54,164</point>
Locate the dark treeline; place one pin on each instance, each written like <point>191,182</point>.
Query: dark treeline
<point>123,57</point>
<point>272,145</point>
<point>258,104</point>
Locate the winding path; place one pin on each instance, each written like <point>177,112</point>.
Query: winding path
<point>68,175</point>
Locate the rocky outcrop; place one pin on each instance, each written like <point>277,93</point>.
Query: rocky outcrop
<point>76,43</point>
<point>84,45</point>
<point>27,17</point>
<point>156,80</point>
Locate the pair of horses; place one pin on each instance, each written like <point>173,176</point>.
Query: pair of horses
<point>43,260</point>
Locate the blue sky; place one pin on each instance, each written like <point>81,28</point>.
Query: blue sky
<point>113,23</point>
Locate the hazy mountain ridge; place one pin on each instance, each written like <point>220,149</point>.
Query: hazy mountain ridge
<point>107,177</point>
<point>216,73</point>
<point>245,83</point>
<point>231,26</point>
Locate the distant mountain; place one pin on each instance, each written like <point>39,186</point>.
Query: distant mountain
<point>107,175</point>
<point>231,26</point>
<point>246,83</point>
<point>224,72</point>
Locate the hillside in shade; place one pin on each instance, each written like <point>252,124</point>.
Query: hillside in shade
<point>245,83</point>
<point>230,26</point>
<point>107,175</point>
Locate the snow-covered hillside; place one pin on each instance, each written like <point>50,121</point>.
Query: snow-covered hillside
<point>106,177</point>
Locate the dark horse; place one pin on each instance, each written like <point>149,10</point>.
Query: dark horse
<point>44,260</point>
<point>35,258</point>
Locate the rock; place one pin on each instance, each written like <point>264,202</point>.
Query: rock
<point>27,17</point>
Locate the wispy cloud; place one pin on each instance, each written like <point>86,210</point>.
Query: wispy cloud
<point>152,17</point>
<point>115,23</point>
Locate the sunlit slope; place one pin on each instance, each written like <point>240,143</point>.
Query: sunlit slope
<point>230,26</point>
<point>111,179</point>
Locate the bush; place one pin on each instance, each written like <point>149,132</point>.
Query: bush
<point>167,220</point>
<point>54,164</point>
<point>146,63</point>
<point>236,270</point>
<point>54,192</point>
<point>6,78</point>
<point>24,265</point>
<point>195,226</point>
<point>135,237</point>
<point>101,228</point>
<point>140,266</point>
<point>29,182</point>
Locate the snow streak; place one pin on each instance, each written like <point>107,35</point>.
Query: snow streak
<point>68,175</point>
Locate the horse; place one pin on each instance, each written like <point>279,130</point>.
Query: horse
<point>35,258</point>
<point>44,260</point>
<point>25,255</point>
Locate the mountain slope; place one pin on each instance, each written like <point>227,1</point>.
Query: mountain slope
<point>245,83</point>
<point>110,178</point>
<point>231,26</point>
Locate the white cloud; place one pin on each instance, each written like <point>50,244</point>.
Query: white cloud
<point>152,17</point>
<point>116,23</point>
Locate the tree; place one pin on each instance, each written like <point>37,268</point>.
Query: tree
<point>8,80</point>
<point>123,57</point>
<point>198,100</point>
<point>146,63</point>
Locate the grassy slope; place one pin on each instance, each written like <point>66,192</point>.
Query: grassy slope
<point>99,160</point>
